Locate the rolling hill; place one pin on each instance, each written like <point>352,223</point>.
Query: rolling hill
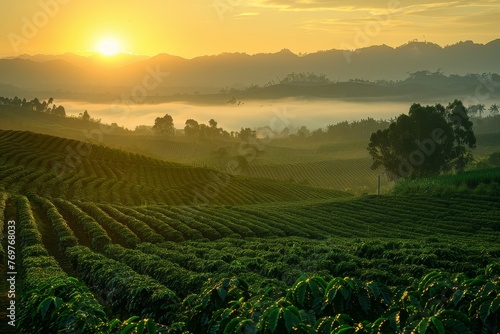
<point>120,235</point>
<point>57,167</point>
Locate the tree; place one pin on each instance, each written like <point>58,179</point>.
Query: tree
<point>85,116</point>
<point>60,111</point>
<point>192,128</point>
<point>212,123</point>
<point>480,109</point>
<point>494,110</point>
<point>428,141</point>
<point>213,130</point>
<point>164,126</point>
<point>303,132</point>
<point>246,134</point>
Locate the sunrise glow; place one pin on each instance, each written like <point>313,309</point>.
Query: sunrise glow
<point>108,47</point>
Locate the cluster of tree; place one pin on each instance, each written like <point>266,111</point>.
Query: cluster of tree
<point>292,79</point>
<point>35,105</point>
<point>85,116</point>
<point>164,126</point>
<point>193,129</point>
<point>480,108</point>
<point>347,130</point>
<point>304,79</point>
<point>428,141</point>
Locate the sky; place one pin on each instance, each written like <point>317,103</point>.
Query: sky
<point>191,28</point>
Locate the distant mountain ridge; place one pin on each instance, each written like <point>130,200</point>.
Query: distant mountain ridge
<point>97,73</point>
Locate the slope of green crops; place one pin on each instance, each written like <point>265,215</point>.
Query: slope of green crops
<point>260,257</point>
<point>324,239</point>
<point>63,168</point>
<point>483,181</point>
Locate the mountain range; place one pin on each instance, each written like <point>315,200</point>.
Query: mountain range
<point>97,74</point>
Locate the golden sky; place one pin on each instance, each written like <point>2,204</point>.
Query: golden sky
<point>191,28</point>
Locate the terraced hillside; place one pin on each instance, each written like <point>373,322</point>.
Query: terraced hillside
<point>261,257</point>
<point>144,260</point>
<point>56,167</point>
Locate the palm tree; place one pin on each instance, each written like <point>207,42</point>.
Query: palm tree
<point>472,109</point>
<point>494,109</point>
<point>480,109</point>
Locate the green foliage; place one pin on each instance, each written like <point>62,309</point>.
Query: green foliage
<point>480,182</point>
<point>164,126</point>
<point>93,230</point>
<point>436,303</point>
<point>82,171</point>
<point>494,159</point>
<point>426,142</point>
<point>61,304</point>
<point>126,291</point>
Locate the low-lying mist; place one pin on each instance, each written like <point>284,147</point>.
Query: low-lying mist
<point>276,114</point>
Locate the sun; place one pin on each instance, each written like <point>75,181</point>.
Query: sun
<point>108,47</point>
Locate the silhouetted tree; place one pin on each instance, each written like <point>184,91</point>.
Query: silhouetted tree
<point>85,116</point>
<point>494,110</point>
<point>303,132</point>
<point>246,134</point>
<point>428,141</point>
<point>480,109</point>
<point>192,128</point>
<point>212,123</point>
<point>60,111</point>
<point>164,126</point>
<point>476,109</point>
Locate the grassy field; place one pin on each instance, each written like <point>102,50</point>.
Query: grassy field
<point>194,249</point>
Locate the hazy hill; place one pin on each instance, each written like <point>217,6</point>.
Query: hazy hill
<point>98,73</point>
<point>57,167</point>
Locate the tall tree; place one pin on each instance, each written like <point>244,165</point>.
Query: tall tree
<point>192,128</point>
<point>85,116</point>
<point>480,108</point>
<point>164,126</point>
<point>428,141</point>
<point>494,110</point>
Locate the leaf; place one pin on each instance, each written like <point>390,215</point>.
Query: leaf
<point>364,301</point>
<point>484,312</point>
<point>128,329</point>
<point>222,293</point>
<point>151,325</point>
<point>438,324</point>
<point>291,319</point>
<point>299,293</point>
<point>427,278</point>
<point>131,319</point>
<point>57,302</point>
<point>343,329</point>
<point>231,326</point>
<point>453,314</point>
<point>272,319</point>
<point>422,326</point>
<point>113,324</point>
<point>374,289</point>
<point>44,306</point>
<point>140,327</point>
<point>455,326</point>
<point>495,304</point>
<point>457,297</point>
